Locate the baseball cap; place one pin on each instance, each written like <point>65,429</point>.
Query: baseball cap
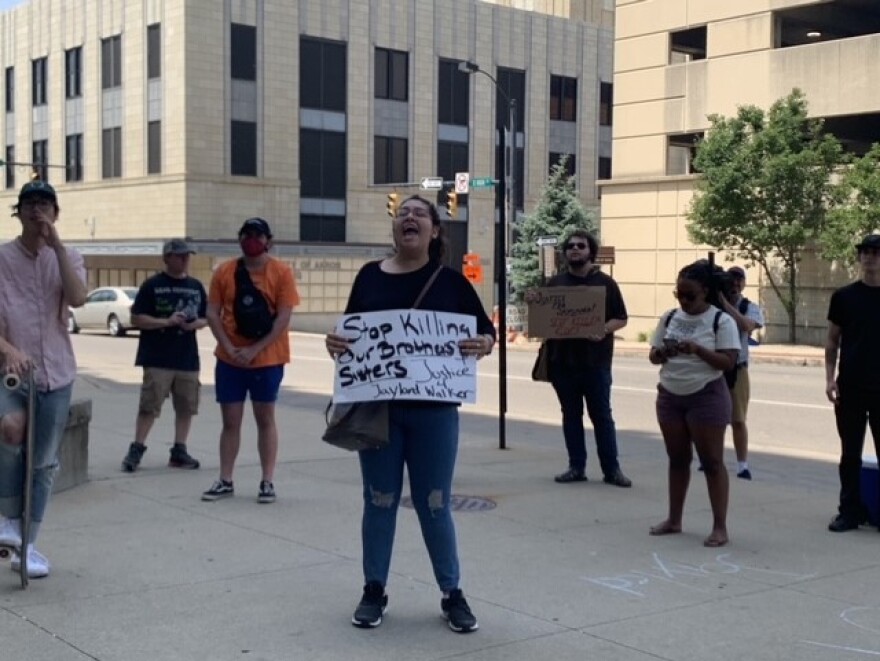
<point>257,225</point>
<point>177,247</point>
<point>37,188</point>
<point>871,241</point>
<point>737,272</point>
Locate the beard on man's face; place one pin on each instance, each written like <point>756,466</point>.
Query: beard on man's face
<point>578,262</point>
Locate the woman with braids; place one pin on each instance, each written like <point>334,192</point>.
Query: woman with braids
<point>694,344</point>
<point>423,433</point>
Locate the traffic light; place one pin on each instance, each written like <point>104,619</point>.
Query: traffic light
<point>451,204</point>
<point>392,204</point>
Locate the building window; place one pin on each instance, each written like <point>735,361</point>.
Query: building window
<point>563,98</point>
<point>687,45</point>
<point>604,167</point>
<point>390,160</point>
<point>804,24</point>
<point>244,148</point>
<point>38,81</point>
<point>111,153</point>
<point>154,51</point>
<point>324,152</point>
<point>154,147</point>
<point>111,62</point>
<point>606,104</point>
<point>73,157</point>
<point>10,89</point>
<point>513,83</point>
<point>40,158</point>
<point>570,164</point>
<point>322,74</point>
<point>392,74</point>
<point>10,169</point>
<point>73,73</point>
<point>453,94</point>
<point>244,52</point>
<point>680,153</point>
<point>322,228</point>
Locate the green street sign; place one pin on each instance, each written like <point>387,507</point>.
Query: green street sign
<point>483,182</point>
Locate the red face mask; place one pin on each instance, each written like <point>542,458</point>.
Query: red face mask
<point>253,246</point>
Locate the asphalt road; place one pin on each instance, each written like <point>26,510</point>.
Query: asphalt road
<point>788,416</point>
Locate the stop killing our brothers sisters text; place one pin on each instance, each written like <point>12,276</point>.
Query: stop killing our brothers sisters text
<point>405,354</point>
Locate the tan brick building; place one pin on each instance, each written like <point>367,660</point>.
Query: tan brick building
<point>677,61</point>
<point>184,117</point>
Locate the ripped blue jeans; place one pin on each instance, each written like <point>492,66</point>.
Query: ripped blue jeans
<point>51,418</point>
<point>425,439</point>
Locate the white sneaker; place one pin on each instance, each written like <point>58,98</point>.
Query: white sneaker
<point>10,533</point>
<point>37,565</point>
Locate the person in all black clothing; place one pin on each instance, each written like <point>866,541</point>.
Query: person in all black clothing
<point>169,308</point>
<point>853,332</point>
<point>423,434</point>
<point>580,369</point>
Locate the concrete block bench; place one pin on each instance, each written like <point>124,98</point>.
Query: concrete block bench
<point>74,452</point>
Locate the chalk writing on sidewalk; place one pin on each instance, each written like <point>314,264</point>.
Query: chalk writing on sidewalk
<point>637,582</point>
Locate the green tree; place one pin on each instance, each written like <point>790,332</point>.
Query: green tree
<point>766,190</point>
<point>858,212</point>
<point>559,211</point>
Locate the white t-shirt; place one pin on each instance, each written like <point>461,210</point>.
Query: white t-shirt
<point>687,374</point>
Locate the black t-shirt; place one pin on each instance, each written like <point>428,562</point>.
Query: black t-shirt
<point>375,290</point>
<point>856,309</point>
<point>581,352</point>
<point>170,348</point>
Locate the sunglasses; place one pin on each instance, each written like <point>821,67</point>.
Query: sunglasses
<point>579,245</point>
<point>690,297</point>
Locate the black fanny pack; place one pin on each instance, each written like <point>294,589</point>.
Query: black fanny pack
<point>253,316</point>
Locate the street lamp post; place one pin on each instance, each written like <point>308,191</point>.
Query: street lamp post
<point>508,209</point>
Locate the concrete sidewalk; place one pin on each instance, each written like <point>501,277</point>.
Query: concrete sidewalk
<point>142,569</point>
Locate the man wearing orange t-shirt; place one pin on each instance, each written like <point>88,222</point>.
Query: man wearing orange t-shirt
<point>249,306</point>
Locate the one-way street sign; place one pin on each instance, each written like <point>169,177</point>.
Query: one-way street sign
<point>431,183</point>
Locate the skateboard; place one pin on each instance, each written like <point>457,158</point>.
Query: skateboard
<point>13,382</point>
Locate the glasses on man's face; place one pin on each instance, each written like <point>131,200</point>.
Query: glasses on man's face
<point>415,212</point>
<point>579,245</point>
<point>41,204</point>
<point>687,296</point>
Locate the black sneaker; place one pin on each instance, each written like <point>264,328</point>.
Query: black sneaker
<point>841,523</point>
<point>372,606</point>
<point>266,493</point>
<point>180,458</point>
<point>220,489</point>
<point>571,475</point>
<point>618,479</point>
<point>133,458</point>
<point>457,613</point>
<point>744,474</point>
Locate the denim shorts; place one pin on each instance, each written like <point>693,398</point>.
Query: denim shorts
<point>709,406</point>
<point>232,384</point>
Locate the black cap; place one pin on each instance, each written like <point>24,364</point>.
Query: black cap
<point>737,272</point>
<point>177,247</point>
<point>871,241</point>
<point>257,225</point>
<point>37,188</point>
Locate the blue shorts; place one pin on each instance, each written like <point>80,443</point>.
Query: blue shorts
<point>232,384</point>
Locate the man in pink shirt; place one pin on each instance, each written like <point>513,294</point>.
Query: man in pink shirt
<point>41,278</point>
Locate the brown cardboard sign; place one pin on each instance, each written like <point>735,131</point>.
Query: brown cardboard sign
<point>566,312</point>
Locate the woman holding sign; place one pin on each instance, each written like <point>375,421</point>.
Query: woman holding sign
<point>423,433</point>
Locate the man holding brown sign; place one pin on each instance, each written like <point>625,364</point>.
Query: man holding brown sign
<point>579,357</point>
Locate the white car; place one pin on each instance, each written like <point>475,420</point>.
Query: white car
<point>106,308</point>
